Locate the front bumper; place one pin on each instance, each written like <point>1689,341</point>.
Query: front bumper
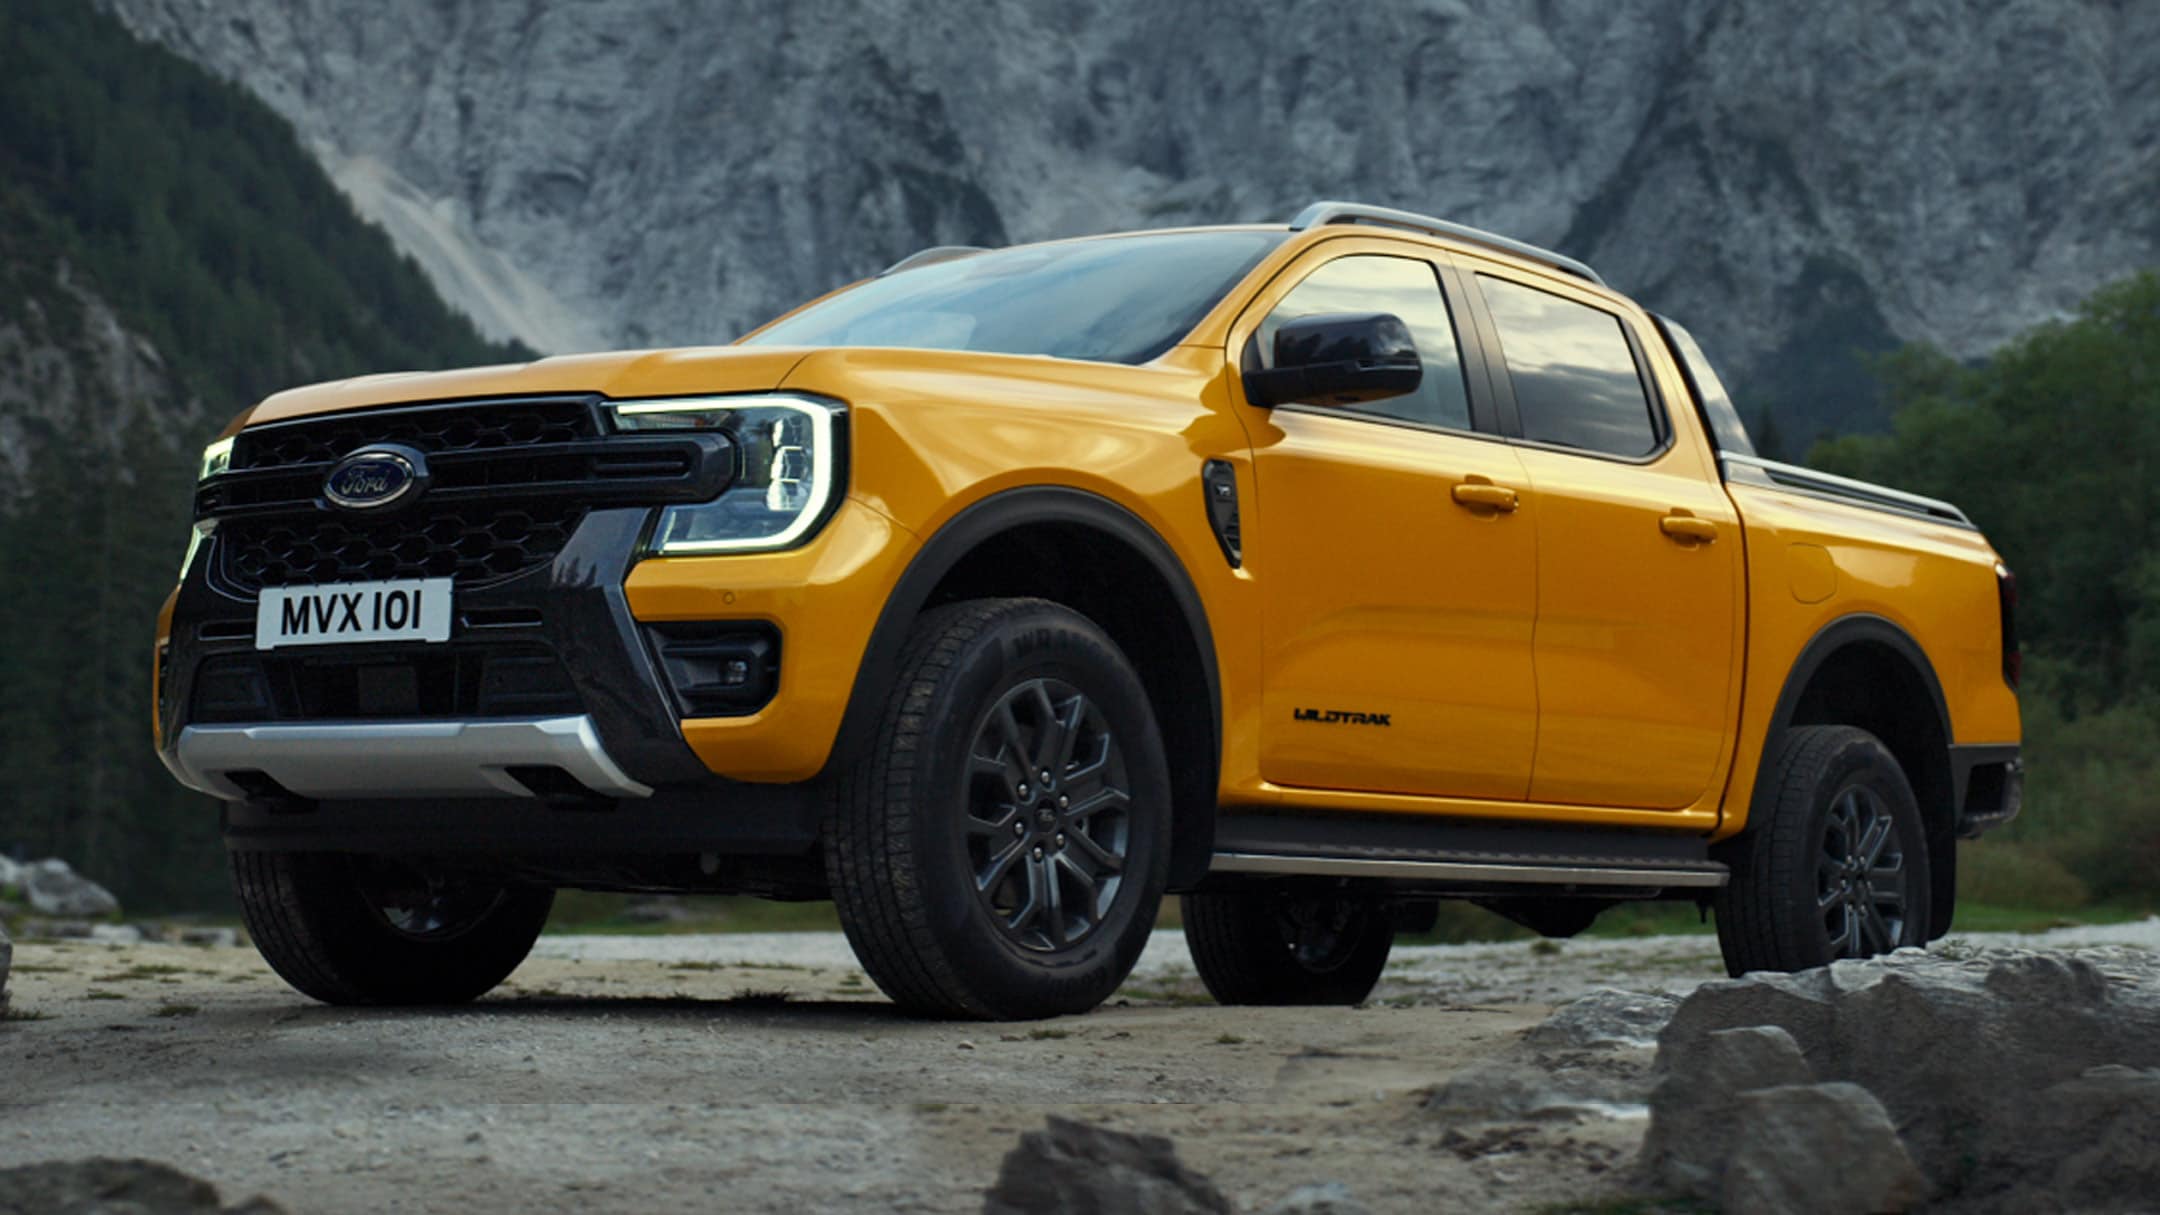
<point>558,642</point>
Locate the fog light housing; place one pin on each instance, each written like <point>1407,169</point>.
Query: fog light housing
<point>718,668</point>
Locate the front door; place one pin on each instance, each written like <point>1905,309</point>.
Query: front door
<point>1396,546</point>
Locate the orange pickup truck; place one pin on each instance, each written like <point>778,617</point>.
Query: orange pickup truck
<point>1317,572</point>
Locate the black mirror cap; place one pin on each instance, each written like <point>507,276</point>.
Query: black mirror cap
<point>1338,358</point>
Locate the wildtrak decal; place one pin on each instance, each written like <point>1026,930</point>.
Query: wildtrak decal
<point>1342,716</point>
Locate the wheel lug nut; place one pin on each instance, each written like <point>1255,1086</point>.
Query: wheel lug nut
<point>1023,790</point>
<point>1020,829</point>
<point>1061,839</point>
<point>1038,854</point>
<point>1046,776</point>
<point>1063,801</point>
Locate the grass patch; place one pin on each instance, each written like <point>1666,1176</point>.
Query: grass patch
<point>176,1010</point>
<point>24,1014</point>
<point>95,994</point>
<point>1228,1039</point>
<point>38,968</point>
<point>586,911</point>
<point>1048,1034</point>
<point>756,998</point>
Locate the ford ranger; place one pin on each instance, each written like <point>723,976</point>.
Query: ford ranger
<point>1316,572</point>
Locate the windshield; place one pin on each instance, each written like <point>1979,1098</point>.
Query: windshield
<point>1121,299</point>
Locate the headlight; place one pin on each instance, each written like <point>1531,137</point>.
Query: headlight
<point>786,468</point>
<point>216,458</point>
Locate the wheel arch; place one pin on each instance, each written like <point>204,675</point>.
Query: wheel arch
<point>995,548</point>
<point>1865,670</point>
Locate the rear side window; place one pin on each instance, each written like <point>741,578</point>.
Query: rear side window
<point>1574,374</point>
<point>1410,289</point>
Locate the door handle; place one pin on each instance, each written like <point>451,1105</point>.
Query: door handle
<point>1688,528</point>
<point>1477,494</point>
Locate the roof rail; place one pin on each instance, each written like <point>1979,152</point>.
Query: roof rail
<point>1358,213</point>
<point>931,257</point>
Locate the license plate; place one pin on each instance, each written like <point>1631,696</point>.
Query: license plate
<point>341,613</point>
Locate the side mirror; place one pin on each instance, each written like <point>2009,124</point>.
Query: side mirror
<point>1338,358</point>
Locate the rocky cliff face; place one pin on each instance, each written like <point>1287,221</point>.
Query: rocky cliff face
<point>1792,181</point>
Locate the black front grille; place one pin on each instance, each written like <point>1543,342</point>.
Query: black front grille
<point>433,429</point>
<point>475,545</point>
<point>508,482</point>
<point>455,681</point>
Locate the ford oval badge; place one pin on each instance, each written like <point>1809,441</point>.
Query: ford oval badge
<point>376,477</point>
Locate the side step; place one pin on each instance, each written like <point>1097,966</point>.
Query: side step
<point>1457,855</point>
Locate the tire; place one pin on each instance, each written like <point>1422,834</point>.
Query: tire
<point>1287,945</point>
<point>969,886</point>
<point>1836,864</point>
<point>366,930</point>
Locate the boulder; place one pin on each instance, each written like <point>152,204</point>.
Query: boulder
<point>54,889</point>
<point>1694,1097</point>
<point>135,1187</point>
<point>1072,1168</point>
<point>7,960</point>
<point>10,872</point>
<point>1606,1017</point>
<point>1817,1149</point>
<point>1985,1064</point>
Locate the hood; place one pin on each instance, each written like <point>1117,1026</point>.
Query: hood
<point>619,375</point>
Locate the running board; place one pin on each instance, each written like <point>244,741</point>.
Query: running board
<point>1473,854</point>
<point>1405,869</point>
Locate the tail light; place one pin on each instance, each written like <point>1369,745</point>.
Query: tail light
<point>2006,595</point>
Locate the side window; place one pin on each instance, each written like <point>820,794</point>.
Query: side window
<point>1576,383</point>
<point>1408,288</point>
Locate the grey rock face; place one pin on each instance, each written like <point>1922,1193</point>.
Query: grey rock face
<point>54,888</point>
<point>2015,1081</point>
<point>1788,180</point>
<point>136,1187</point>
<point>1072,1168</point>
<point>1808,1149</point>
<point>1605,1018</point>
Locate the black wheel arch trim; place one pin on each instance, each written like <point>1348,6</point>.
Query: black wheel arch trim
<point>1829,641</point>
<point>981,521</point>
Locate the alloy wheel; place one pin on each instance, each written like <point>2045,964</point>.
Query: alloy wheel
<point>1862,881</point>
<point>1048,815</point>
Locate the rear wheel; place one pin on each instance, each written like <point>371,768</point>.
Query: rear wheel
<point>1834,866</point>
<point>1001,849</point>
<point>1287,944</point>
<point>374,930</point>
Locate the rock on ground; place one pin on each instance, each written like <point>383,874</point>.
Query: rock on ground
<point>1323,1198</point>
<point>1072,1168</point>
<point>2014,1079</point>
<point>1818,1149</point>
<point>114,1187</point>
<point>55,889</point>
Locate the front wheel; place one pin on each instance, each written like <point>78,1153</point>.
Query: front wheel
<point>373,930</point>
<point>1001,848</point>
<point>1834,865</point>
<point>1288,945</point>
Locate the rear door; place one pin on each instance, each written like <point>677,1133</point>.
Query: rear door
<point>1397,619</point>
<point>1639,562</point>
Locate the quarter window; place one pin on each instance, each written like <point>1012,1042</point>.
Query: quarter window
<point>1576,383</point>
<point>1409,289</point>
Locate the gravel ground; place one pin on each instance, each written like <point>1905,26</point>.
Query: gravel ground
<point>763,1073</point>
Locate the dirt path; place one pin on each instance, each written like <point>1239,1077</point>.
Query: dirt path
<point>762,1073</point>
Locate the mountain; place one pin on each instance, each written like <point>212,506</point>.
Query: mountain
<point>168,254</point>
<point>1795,182</point>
